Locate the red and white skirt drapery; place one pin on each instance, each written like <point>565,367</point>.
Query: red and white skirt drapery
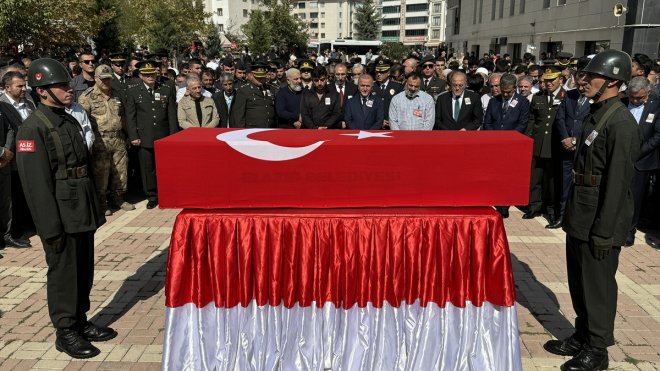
<point>367,289</point>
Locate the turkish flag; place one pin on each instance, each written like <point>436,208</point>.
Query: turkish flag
<point>246,168</point>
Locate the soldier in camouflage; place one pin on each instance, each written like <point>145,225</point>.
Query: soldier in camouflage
<point>109,157</point>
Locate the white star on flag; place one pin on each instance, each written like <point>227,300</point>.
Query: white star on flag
<point>366,134</point>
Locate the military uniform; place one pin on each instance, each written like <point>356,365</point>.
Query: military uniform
<point>150,117</point>
<point>109,157</point>
<point>253,107</point>
<point>53,161</point>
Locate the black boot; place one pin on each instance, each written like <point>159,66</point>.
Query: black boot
<point>570,346</point>
<point>72,343</point>
<point>91,332</point>
<point>589,359</point>
<point>555,223</point>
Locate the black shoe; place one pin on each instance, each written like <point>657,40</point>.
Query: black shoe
<point>92,332</point>
<point>72,343</point>
<point>531,214</point>
<point>9,241</point>
<point>555,223</point>
<point>152,204</point>
<point>630,240</point>
<point>567,347</point>
<point>589,359</point>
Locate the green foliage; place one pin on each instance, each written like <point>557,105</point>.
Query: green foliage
<point>367,22</point>
<point>276,27</point>
<point>213,41</point>
<point>108,36</point>
<point>258,33</point>
<point>395,51</point>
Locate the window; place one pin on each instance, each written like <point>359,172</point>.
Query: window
<point>474,14</point>
<point>492,10</point>
<point>302,15</point>
<point>417,20</point>
<point>391,21</point>
<point>522,7</point>
<point>322,35</point>
<point>314,15</point>
<point>435,34</point>
<point>314,25</point>
<point>546,4</point>
<point>245,13</point>
<point>561,2</point>
<point>219,12</point>
<point>437,8</point>
<point>313,4</point>
<point>322,14</point>
<point>322,25</point>
<point>393,33</point>
<point>512,8</point>
<point>501,9</point>
<point>301,5</point>
<point>391,9</point>
<point>436,21</point>
<point>221,27</point>
<point>421,32</point>
<point>417,8</point>
<point>481,9</point>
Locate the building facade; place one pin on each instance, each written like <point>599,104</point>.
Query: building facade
<point>230,15</point>
<point>327,19</point>
<point>581,27</point>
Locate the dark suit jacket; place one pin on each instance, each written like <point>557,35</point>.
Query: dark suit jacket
<point>149,119</point>
<point>350,90</point>
<point>569,117</point>
<point>317,112</point>
<point>470,117</point>
<point>223,110</point>
<point>393,88</point>
<point>542,113</point>
<point>358,117</point>
<point>649,125</point>
<point>513,118</point>
<point>287,107</point>
<point>7,135</point>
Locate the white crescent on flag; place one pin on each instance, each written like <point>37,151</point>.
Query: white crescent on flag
<point>261,149</point>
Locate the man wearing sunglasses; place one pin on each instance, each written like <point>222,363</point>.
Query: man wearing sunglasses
<point>85,80</point>
<point>430,82</point>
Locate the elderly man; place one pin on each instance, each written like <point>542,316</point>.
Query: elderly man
<point>645,108</point>
<point>356,72</point>
<point>104,107</point>
<point>224,98</point>
<point>525,84</point>
<point>410,66</point>
<point>365,110</point>
<point>345,88</point>
<point>287,101</point>
<point>196,110</point>
<point>458,109</point>
<point>412,109</point>
<point>494,86</point>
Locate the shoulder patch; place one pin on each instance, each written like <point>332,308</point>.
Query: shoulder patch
<point>25,146</point>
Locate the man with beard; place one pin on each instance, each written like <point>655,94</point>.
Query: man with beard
<point>287,101</point>
<point>320,107</point>
<point>412,109</point>
<point>254,105</point>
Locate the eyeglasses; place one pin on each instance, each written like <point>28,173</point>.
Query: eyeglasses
<point>427,66</point>
<point>88,61</point>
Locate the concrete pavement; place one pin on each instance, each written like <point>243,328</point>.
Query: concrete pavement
<point>128,295</point>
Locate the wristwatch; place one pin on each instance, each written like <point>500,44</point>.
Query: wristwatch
<point>573,141</point>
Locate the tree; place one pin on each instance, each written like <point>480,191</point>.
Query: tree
<point>367,22</point>
<point>258,33</point>
<point>395,51</point>
<point>108,36</point>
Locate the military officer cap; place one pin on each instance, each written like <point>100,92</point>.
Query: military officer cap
<point>147,67</point>
<point>428,58</point>
<point>383,65</point>
<point>564,58</point>
<point>273,65</point>
<point>574,61</point>
<point>333,61</point>
<point>551,72</point>
<point>117,58</point>
<point>306,65</point>
<point>103,71</point>
<point>259,69</point>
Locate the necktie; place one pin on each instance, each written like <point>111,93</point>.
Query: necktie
<point>364,105</point>
<point>581,102</point>
<point>151,92</point>
<point>505,106</point>
<point>457,108</point>
<point>341,95</point>
<point>426,83</point>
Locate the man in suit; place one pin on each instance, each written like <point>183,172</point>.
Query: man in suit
<point>150,115</point>
<point>508,111</point>
<point>254,105</point>
<point>224,99</point>
<point>568,123</point>
<point>645,109</point>
<point>319,107</point>
<point>345,87</point>
<point>431,84</point>
<point>365,110</point>
<point>385,88</point>
<point>15,107</point>
<point>458,109</point>
<point>6,156</point>
<point>541,123</point>
<point>287,101</point>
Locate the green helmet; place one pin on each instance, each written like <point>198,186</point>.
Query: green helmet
<point>46,71</point>
<point>613,64</point>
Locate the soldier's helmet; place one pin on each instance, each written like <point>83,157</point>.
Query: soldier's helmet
<point>613,64</point>
<point>47,71</point>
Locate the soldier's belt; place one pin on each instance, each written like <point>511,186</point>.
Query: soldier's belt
<point>112,134</point>
<point>586,180</point>
<point>77,172</point>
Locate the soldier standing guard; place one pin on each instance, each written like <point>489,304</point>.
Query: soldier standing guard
<point>150,115</point>
<point>599,212</point>
<point>109,158</point>
<point>52,161</point>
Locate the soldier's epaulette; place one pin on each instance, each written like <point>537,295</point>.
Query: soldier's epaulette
<point>87,92</point>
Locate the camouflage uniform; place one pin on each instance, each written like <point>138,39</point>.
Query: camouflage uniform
<point>109,156</point>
